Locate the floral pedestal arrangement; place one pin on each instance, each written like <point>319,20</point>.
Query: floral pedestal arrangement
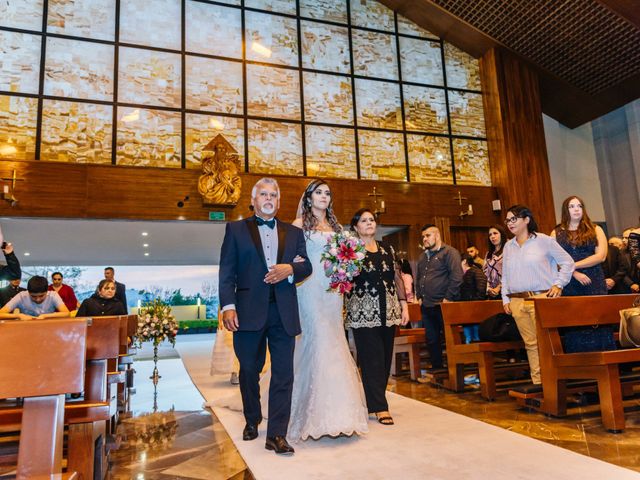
<point>156,324</point>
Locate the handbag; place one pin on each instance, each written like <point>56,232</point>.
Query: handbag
<point>630,327</point>
<point>499,328</point>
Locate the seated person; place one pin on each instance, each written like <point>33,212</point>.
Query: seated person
<point>102,303</point>
<point>10,291</point>
<point>36,302</point>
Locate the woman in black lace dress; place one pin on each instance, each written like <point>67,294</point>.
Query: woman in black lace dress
<point>374,307</point>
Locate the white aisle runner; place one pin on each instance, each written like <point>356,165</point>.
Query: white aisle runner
<point>426,442</point>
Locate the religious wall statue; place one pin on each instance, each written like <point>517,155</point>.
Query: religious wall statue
<point>220,182</point>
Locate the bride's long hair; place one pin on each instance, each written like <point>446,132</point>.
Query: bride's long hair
<point>309,220</point>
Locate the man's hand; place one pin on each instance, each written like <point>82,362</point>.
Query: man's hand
<point>278,272</point>
<point>610,283</point>
<point>24,316</point>
<point>507,308</point>
<point>8,249</point>
<point>444,300</point>
<point>230,320</point>
<point>635,288</point>
<point>556,291</point>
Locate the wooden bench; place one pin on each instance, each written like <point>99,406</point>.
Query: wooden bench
<point>459,354</point>
<point>557,367</point>
<point>51,356</point>
<point>410,341</point>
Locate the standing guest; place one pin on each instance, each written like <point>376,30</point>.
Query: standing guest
<point>407,280</point>
<point>36,302</point>
<point>474,253</point>
<point>533,266</point>
<point>374,307</point>
<point>121,289</point>
<point>65,291</point>
<point>439,280</point>
<point>614,270</point>
<point>474,287</point>
<point>102,303</point>
<point>12,269</point>
<point>492,268</point>
<point>633,247</point>
<point>587,245</point>
<point>10,291</point>
<point>630,281</point>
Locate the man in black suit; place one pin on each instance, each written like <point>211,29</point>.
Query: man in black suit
<point>121,289</point>
<point>261,260</point>
<point>10,291</point>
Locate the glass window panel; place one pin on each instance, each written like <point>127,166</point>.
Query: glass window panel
<point>425,109</point>
<point>467,115</point>
<point>463,71</point>
<point>325,47</point>
<point>273,92</point>
<point>19,62</point>
<point>407,27</point>
<point>213,30</point>
<point>149,77</point>
<point>378,104</point>
<point>159,26</point>
<point>25,14</point>
<point>331,152</point>
<point>76,132</point>
<point>327,98</point>
<point>148,138</point>
<point>275,148</point>
<point>375,54</point>
<point>213,85</point>
<point>83,18</point>
<point>471,159</point>
<point>201,129</point>
<point>330,10</point>
<point>79,69</point>
<point>421,61</point>
<point>371,14</point>
<point>381,155</point>
<point>429,159</point>
<point>18,117</point>
<point>282,6</point>
<point>271,39</point>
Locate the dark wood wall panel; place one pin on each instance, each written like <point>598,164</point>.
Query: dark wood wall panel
<point>515,134</point>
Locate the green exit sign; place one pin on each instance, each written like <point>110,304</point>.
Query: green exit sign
<point>217,216</point>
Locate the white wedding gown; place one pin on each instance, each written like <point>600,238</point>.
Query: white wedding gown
<point>327,398</point>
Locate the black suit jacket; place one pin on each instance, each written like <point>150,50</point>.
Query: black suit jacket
<point>121,294</point>
<point>243,268</point>
<point>11,270</point>
<point>7,293</point>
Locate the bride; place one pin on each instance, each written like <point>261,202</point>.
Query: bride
<point>328,398</point>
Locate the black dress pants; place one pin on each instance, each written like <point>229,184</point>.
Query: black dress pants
<point>375,350</point>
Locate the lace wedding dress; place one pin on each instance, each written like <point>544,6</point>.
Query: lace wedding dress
<point>328,398</point>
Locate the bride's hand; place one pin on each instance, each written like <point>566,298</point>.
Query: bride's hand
<point>298,259</point>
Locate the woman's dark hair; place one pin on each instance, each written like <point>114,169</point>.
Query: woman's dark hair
<point>356,217</point>
<point>521,211</point>
<point>309,220</point>
<point>491,248</point>
<point>102,284</point>
<point>466,258</point>
<point>586,231</point>
<point>405,267</point>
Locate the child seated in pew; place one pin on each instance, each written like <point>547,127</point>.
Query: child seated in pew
<point>35,302</point>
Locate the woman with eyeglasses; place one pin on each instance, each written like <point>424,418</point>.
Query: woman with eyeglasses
<point>587,245</point>
<point>533,265</point>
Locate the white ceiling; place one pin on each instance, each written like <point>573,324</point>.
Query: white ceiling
<point>64,242</point>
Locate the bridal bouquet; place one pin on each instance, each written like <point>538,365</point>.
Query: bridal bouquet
<point>343,257</point>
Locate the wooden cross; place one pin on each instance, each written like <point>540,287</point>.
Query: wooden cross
<point>14,178</point>
<point>375,195</point>
<point>459,197</point>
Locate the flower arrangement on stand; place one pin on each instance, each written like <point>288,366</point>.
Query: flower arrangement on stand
<point>343,257</point>
<point>156,324</point>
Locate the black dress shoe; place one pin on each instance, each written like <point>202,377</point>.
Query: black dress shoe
<point>279,445</point>
<point>250,431</point>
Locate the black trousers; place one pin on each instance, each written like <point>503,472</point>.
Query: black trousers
<point>251,349</point>
<point>432,320</point>
<point>375,350</point>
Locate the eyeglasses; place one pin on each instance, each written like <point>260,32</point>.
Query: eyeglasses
<point>513,219</point>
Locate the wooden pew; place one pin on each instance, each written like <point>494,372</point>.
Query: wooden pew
<point>557,367</point>
<point>410,341</point>
<point>458,314</point>
<point>51,359</point>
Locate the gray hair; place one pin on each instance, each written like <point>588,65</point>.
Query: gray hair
<point>267,181</point>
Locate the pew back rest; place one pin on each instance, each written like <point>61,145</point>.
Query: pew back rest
<point>467,313</point>
<point>42,357</point>
<point>103,337</point>
<point>581,311</point>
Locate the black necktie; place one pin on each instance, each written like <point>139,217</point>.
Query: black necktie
<point>269,223</point>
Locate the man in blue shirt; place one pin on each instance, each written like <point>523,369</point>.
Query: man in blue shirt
<point>36,302</point>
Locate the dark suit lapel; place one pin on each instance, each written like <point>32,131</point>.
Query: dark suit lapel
<point>255,236</point>
<point>282,237</point>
